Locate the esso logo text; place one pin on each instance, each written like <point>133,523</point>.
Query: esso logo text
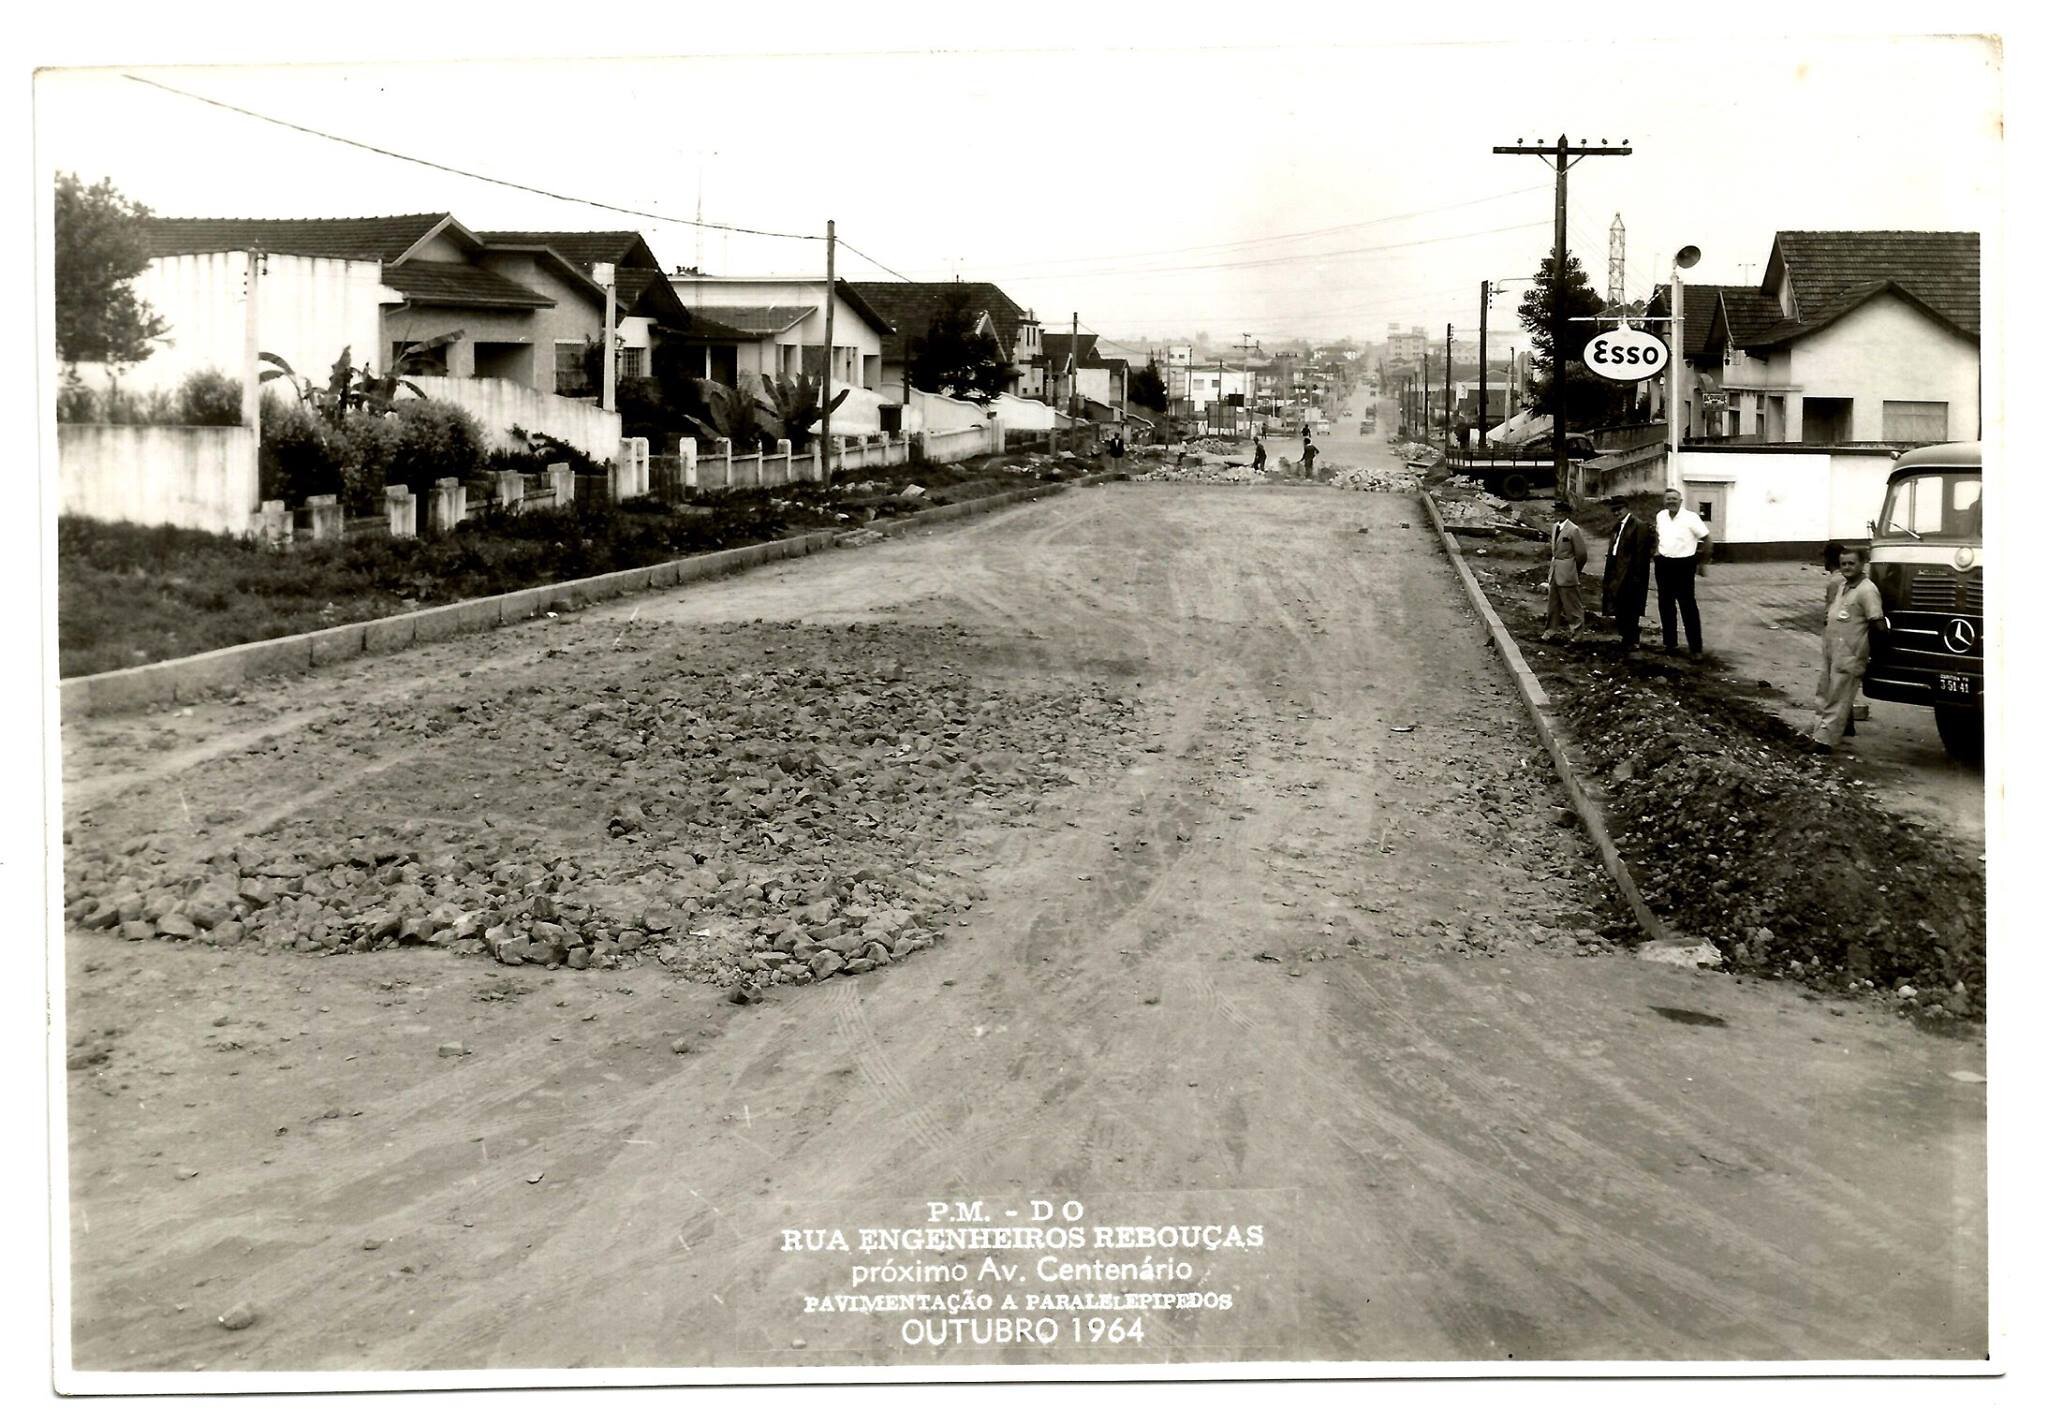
<point>1626,355</point>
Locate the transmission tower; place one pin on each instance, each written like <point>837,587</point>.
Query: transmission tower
<point>1617,262</point>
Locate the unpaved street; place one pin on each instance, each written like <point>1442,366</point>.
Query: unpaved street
<point>1282,930</point>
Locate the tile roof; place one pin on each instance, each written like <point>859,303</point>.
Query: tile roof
<point>585,247</point>
<point>379,237</point>
<point>460,285</point>
<point>1057,345</point>
<point>1749,311</point>
<point>1702,301</point>
<point>1828,268</point>
<point>911,307</point>
<point>754,320</point>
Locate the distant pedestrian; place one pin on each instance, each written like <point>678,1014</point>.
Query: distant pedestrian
<point>1682,545</point>
<point>1308,459</point>
<point>1567,561</point>
<point>1258,453</point>
<point>1845,649</point>
<point>1116,450</point>
<point>1625,581</point>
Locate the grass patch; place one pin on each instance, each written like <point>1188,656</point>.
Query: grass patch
<point>129,595</point>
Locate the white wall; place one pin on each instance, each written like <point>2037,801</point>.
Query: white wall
<point>1887,350</point>
<point>500,405</point>
<point>1790,496</point>
<point>307,310</point>
<point>194,477</point>
<point>849,330</point>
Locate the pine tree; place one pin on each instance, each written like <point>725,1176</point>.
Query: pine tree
<point>100,250</point>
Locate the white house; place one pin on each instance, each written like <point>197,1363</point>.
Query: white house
<point>1858,343</point>
<point>775,327</point>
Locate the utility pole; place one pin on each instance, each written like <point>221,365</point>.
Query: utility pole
<point>1562,157</point>
<point>252,370</point>
<point>1424,436</point>
<point>1074,368</point>
<point>1450,406</point>
<point>825,395</point>
<point>608,386</point>
<point>1485,296</point>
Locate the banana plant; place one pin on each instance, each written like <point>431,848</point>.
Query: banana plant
<point>793,406</point>
<point>349,387</point>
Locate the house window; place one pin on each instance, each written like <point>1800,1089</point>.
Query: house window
<point>1922,421</point>
<point>570,380</point>
<point>424,362</point>
<point>632,362</point>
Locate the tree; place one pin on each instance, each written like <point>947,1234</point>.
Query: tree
<point>1148,388</point>
<point>793,407</point>
<point>1588,399</point>
<point>100,250</point>
<point>956,355</point>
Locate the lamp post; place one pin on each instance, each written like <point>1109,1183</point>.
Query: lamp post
<point>1686,258</point>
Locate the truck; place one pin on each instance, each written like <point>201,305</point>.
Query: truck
<point>1927,561</point>
<point>1514,473</point>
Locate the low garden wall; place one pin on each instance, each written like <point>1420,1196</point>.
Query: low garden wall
<point>191,477</point>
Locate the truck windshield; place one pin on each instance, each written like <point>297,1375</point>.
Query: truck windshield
<point>1944,504</point>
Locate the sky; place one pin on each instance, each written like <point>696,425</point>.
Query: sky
<point>1294,190</point>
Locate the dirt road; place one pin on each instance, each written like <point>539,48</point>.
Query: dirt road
<point>1304,949</point>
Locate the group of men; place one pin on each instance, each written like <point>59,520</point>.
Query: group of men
<point>1673,549</point>
<point>1308,452</point>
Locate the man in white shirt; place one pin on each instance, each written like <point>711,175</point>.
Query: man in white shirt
<point>1682,545</point>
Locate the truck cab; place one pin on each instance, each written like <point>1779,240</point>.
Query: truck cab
<point>1927,560</point>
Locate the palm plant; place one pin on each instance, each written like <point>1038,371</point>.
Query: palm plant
<point>730,413</point>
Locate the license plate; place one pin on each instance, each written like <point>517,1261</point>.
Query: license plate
<point>1946,684</point>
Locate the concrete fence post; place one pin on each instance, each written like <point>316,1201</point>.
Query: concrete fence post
<point>836,461</point>
<point>511,486</point>
<point>721,455</point>
<point>562,476</point>
<point>996,441</point>
<point>920,447</point>
<point>448,505</point>
<point>687,449</point>
<point>404,508</point>
<point>274,522</point>
<point>328,523</point>
<point>633,476</point>
<point>786,453</point>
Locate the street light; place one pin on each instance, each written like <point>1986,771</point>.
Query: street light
<point>1686,258</point>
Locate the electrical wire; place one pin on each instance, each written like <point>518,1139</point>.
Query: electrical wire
<point>471,175</point>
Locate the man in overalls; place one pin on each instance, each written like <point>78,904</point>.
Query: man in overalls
<point>1845,649</point>
<point>1567,559</point>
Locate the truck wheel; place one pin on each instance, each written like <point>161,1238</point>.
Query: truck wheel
<point>1514,486</point>
<point>1962,734</point>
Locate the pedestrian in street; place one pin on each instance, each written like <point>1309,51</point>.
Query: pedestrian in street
<point>1625,581</point>
<point>1682,545</point>
<point>1116,451</point>
<point>1845,649</point>
<point>1258,453</point>
<point>1567,561</point>
<point>1308,459</point>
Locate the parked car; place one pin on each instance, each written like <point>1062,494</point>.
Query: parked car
<point>1927,560</point>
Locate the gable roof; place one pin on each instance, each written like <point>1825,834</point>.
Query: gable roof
<point>377,237</point>
<point>586,247</point>
<point>1057,346</point>
<point>1704,302</point>
<point>1847,301</point>
<point>1826,268</point>
<point>756,320</point>
<point>910,306</point>
<point>460,285</point>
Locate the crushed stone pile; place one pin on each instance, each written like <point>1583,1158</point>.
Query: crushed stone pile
<point>746,805</point>
<point>1401,481</point>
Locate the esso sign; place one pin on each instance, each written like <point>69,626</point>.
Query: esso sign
<point>1626,355</point>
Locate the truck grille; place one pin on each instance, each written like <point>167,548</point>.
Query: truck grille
<point>1973,593</point>
<point>1936,592</point>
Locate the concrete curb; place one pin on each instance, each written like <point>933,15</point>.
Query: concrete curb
<point>188,678</point>
<point>1657,934</point>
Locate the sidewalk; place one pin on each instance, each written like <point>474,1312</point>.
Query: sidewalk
<point>1762,622</point>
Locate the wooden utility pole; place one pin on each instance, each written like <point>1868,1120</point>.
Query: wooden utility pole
<point>1485,296</point>
<point>1562,157</point>
<point>1450,405</point>
<point>1074,369</point>
<point>252,369</point>
<point>825,395</point>
<point>1424,436</point>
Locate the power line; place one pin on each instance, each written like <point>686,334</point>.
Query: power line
<point>875,262</point>
<point>471,175</point>
<point>1055,264</point>
<point>1293,259</point>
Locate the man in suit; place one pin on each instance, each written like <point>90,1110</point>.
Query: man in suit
<point>1625,582</point>
<point>1567,561</point>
